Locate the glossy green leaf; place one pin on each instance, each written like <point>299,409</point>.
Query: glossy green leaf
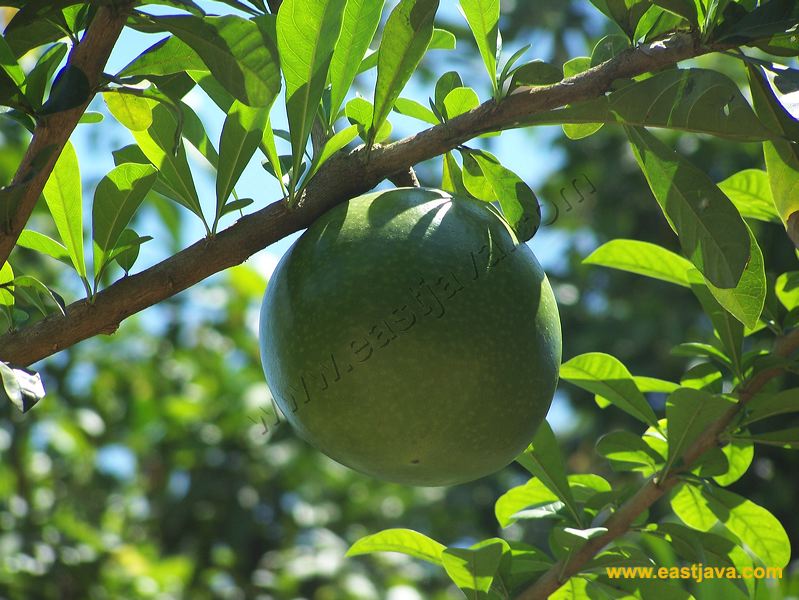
<point>458,101</point>
<point>269,148</point>
<point>642,258</point>
<point>306,35</point>
<point>361,18</point>
<point>729,329</point>
<point>157,143</point>
<point>405,541</point>
<point>653,384</point>
<point>444,85</point>
<point>452,176</point>
<point>411,108</point>
<point>239,53</point>
<point>483,19</point>
<point>473,569</point>
<point>116,199</point>
<point>242,132</point>
<point>6,277</point>
<point>604,375</point>
<point>33,240</point>
<point>703,376</point>
<point>41,74</point>
<point>406,37</point>
<point>739,455</point>
<point>626,451</point>
<point>166,56</point>
<point>608,47</point>
<point>782,156</point>
<point>787,289</point>
<point>532,494</point>
<point>518,202</point>
<point>131,110</point>
<point>194,132</point>
<point>129,243</point>
<point>360,112</point>
<point>535,73</point>
<point>695,100</point>
<point>766,20</point>
<point>688,9</point>
<point>441,40</point>
<point>690,505</point>
<point>544,460</point>
<point>765,405</point>
<point>336,143</point>
<point>711,231</point>
<point>23,388</point>
<point>783,438</point>
<point>12,79</point>
<point>690,412</point>
<point>750,192</point>
<point>745,301</point>
<point>36,291</point>
<point>64,198</point>
<point>754,525</point>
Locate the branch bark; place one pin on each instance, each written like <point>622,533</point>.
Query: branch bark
<point>53,130</point>
<point>343,177</point>
<point>618,524</point>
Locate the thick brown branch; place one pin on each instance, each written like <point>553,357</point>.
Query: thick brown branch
<point>53,130</point>
<point>343,177</point>
<point>653,490</point>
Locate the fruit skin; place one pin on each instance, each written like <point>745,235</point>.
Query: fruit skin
<point>410,336</point>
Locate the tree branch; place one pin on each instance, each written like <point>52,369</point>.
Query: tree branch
<point>343,177</point>
<point>653,490</point>
<point>53,130</point>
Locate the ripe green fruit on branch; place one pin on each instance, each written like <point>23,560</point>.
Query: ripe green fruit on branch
<point>409,335</point>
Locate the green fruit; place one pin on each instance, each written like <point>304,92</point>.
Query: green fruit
<point>409,335</point>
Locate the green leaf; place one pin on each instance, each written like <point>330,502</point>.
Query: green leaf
<point>42,73</point>
<point>745,301</point>
<point>37,290</point>
<point>194,132</point>
<point>473,569</point>
<point>518,202</point>
<point>405,541</point>
<point>703,376</point>
<point>445,84</point>
<point>604,375</point>
<point>165,57</point>
<point>739,455</point>
<point>131,110</point>
<point>442,40</point>
<point>361,18</point>
<point>626,451</point>
<point>269,148</point>
<point>711,231</point>
<point>406,36</point>
<point>452,176</point>
<point>766,20</point>
<point>688,9</point>
<point>411,108</point>
<point>63,195</point>
<point>235,205</point>
<point>23,388</point>
<point>535,73</point>
<point>240,53</point>
<point>333,145</point>
<point>765,405</point>
<point>787,289</point>
<point>532,494</point>
<point>608,47</point>
<point>749,191</point>
<point>573,539</point>
<point>754,525</point>
<point>33,240</point>
<point>729,329</point>
<point>653,384</point>
<point>690,412</point>
<point>695,100</point>
<point>6,277</point>
<point>116,199</point>
<point>784,438</point>
<point>782,156</point>
<point>483,19</point>
<point>130,241</point>
<point>157,143</point>
<point>458,101</point>
<point>242,132</point>
<point>544,460</point>
<point>691,506</point>
<point>642,258</point>
<point>306,36</point>
<point>360,112</point>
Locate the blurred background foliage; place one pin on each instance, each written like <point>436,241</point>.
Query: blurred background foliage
<point>154,468</point>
